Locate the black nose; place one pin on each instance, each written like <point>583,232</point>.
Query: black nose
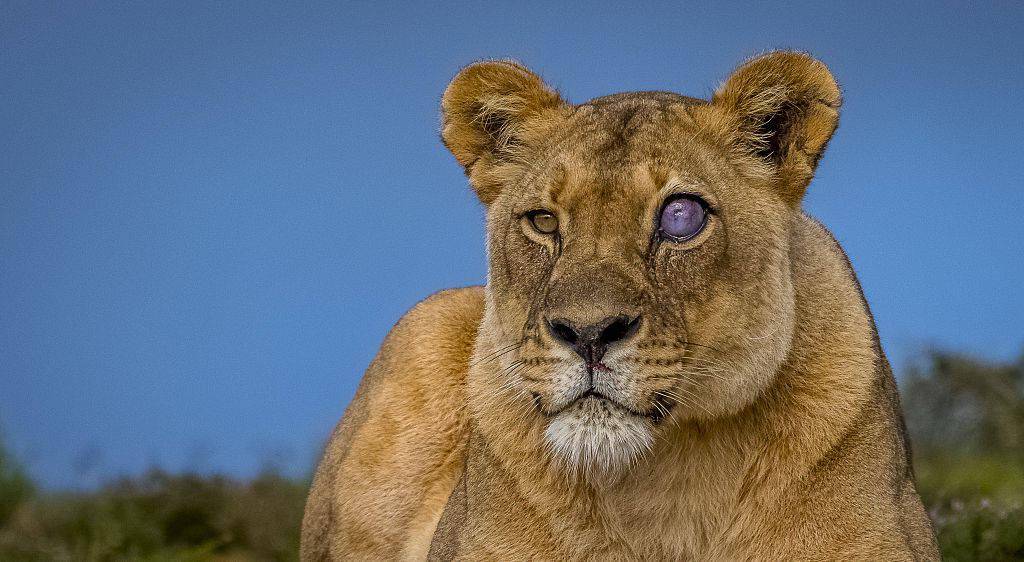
<point>591,342</point>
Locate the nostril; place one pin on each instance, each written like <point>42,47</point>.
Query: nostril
<point>619,328</point>
<point>563,331</point>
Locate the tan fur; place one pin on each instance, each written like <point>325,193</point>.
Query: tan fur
<point>752,415</point>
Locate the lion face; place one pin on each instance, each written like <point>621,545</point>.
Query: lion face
<point>638,246</point>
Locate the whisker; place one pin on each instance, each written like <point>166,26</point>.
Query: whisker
<point>496,354</point>
<point>687,342</point>
<point>688,373</point>
<point>688,394</point>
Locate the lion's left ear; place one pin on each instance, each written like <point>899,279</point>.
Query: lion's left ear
<point>783,108</point>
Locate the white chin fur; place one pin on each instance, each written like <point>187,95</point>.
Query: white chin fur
<point>595,438</point>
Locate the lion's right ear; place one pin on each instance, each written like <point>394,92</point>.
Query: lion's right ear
<point>489,111</point>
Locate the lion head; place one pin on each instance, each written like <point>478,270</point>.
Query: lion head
<point>638,247</point>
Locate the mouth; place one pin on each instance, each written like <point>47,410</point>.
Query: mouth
<point>594,394</point>
<point>661,409</point>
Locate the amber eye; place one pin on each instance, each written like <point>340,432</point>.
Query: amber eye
<point>543,221</point>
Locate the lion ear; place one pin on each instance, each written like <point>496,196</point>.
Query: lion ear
<point>783,108</point>
<point>489,111</point>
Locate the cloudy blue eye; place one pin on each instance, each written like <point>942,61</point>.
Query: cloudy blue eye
<point>683,217</point>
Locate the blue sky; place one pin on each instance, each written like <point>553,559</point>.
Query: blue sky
<point>210,215</point>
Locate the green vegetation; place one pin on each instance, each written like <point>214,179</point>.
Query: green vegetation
<point>15,486</point>
<point>966,419</point>
<point>161,517</point>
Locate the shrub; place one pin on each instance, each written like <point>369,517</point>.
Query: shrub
<point>15,486</point>
<point>160,516</point>
<point>966,422</point>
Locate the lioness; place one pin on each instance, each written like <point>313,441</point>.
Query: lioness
<point>670,360</point>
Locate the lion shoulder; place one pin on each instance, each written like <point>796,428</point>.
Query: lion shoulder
<point>393,459</point>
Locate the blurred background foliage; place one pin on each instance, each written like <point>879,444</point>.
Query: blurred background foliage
<point>154,517</point>
<point>966,422</point>
<point>965,417</point>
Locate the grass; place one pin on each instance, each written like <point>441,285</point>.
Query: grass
<point>946,480</point>
<point>976,504</point>
<point>980,530</point>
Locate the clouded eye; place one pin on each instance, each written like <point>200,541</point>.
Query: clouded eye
<point>543,221</point>
<point>683,217</point>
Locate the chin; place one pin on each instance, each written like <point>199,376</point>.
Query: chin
<point>598,440</point>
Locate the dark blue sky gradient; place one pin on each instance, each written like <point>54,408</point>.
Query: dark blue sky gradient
<point>211,215</point>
